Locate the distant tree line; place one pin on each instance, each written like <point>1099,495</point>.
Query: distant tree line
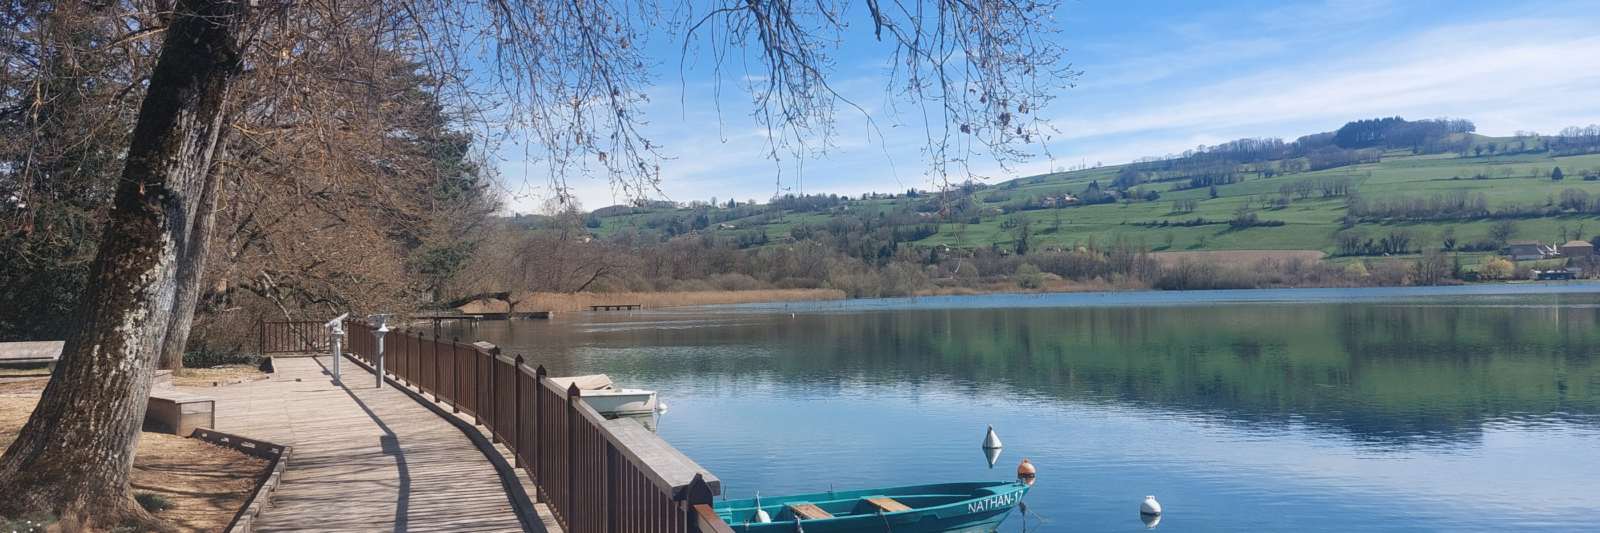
<point>1422,136</point>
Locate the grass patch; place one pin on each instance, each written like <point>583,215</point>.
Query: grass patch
<point>39,369</point>
<point>206,357</point>
<point>152,503</point>
<point>27,524</point>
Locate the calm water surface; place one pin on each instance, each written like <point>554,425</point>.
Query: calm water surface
<point>1459,409</point>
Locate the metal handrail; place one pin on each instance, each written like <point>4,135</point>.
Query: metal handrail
<point>595,474</point>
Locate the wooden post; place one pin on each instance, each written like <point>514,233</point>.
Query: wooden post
<point>613,500</point>
<point>477,417</point>
<point>572,449</point>
<point>455,373</point>
<point>538,429</point>
<point>697,502</point>
<point>516,413</point>
<point>494,396</point>
<point>437,390</point>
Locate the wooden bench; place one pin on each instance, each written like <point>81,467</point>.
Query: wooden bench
<point>888,505</point>
<point>181,411</point>
<point>807,511</point>
<point>24,353</point>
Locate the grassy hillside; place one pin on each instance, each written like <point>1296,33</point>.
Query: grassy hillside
<point>1518,181</point>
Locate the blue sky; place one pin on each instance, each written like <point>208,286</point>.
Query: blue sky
<point>1159,77</point>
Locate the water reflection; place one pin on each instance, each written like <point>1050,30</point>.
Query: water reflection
<point>1383,375</point>
<point>1427,412</point>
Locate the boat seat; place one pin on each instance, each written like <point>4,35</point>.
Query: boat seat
<point>888,504</point>
<point>807,511</point>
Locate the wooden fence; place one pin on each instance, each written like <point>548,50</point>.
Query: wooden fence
<point>596,475</point>
<point>292,337</point>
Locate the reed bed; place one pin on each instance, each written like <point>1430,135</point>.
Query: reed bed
<point>567,303</point>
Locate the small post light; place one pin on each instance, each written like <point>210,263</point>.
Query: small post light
<point>336,336</point>
<point>378,330</point>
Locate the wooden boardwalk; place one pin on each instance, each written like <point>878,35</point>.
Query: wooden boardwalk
<point>368,459</point>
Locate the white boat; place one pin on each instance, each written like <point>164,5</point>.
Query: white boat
<point>604,396</point>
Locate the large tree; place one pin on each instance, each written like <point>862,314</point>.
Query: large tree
<point>74,455</point>
<point>570,74</point>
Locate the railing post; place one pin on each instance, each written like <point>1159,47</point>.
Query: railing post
<point>477,409</point>
<point>572,450</point>
<point>437,390</point>
<point>613,500</point>
<point>516,413</point>
<point>538,430</point>
<point>493,406</point>
<point>403,364</point>
<point>697,501</point>
<point>261,326</point>
<point>455,373</point>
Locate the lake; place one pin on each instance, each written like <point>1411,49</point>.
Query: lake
<point>1416,409</point>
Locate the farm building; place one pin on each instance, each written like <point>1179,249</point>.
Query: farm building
<point>1577,249</point>
<point>1524,250</point>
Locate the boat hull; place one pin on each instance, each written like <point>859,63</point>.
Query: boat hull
<point>621,402</point>
<point>940,508</point>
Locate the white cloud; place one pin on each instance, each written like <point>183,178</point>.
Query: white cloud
<point>1462,71</point>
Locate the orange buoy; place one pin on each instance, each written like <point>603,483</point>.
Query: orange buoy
<point>1025,470</point>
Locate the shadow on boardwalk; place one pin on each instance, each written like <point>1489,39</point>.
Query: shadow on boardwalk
<point>367,459</point>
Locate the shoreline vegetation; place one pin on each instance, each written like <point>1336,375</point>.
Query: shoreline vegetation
<point>567,303</point>
<point>1195,270</point>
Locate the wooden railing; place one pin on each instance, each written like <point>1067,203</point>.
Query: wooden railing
<point>292,337</point>
<point>596,475</point>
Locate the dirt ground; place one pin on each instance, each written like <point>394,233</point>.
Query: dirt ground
<point>206,377</point>
<point>1237,257</point>
<point>206,483</point>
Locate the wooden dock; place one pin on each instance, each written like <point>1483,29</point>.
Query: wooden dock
<point>616,307</point>
<point>440,319</point>
<point>368,459</point>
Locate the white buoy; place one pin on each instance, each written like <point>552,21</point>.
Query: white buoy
<point>661,407</point>
<point>761,514</point>
<point>992,454</point>
<point>991,440</point>
<point>1150,506</point>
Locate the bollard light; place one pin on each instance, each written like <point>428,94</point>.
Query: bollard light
<point>336,336</point>
<point>378,330</point>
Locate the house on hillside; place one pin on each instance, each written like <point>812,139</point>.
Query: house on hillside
<point>1577,249</point>
<point>1525,250</point>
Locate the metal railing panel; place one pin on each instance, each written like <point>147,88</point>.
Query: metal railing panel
<point>591,471</point>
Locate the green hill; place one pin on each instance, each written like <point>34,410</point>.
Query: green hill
<point>1191,203</point>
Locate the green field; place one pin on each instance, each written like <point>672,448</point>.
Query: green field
<point>1309,223</point>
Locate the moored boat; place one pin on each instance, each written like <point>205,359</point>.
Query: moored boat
<point>938,508</point>
<point>612,402</point>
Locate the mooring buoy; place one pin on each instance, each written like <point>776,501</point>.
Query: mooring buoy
<point>991,440</point>
<point>1150,506</point>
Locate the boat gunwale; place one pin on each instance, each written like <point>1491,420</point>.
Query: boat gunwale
<point>726,508</point>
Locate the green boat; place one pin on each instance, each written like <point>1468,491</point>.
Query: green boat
<point>939,508</point>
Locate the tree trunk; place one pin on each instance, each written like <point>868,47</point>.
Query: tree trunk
<point>192,255</point>
<point>74,456</point>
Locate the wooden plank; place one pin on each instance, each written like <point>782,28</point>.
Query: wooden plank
<point>888,505</point>
<point>365,459</point>
<point>31,351</point>
<point>807,511</point>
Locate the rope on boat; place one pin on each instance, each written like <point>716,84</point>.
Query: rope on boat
<point>1025,510</point>
<point>885,521</point>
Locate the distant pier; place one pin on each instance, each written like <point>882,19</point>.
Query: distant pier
<point>616,307</point>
